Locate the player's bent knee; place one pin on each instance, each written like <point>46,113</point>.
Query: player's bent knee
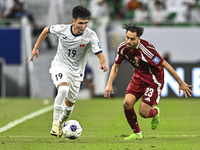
<point>63,89</point>
<point>68,103</point>
<point>127,105</point>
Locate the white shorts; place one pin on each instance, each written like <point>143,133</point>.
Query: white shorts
<point>58,76</point>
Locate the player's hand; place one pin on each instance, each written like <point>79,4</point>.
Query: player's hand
<point>34,52</point>
<point>186,89</point>
<point>108,91</point>
<point>104,68</point>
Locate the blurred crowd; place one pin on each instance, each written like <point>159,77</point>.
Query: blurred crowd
<point>16,9</point>
<point>151,11</point>
<point>144,11</point>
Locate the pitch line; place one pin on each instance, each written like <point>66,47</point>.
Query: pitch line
<point>30,116</point>
<point>148,136</point>
<point>172,135</point>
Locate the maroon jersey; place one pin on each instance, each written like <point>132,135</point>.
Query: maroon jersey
<point>146,61</point>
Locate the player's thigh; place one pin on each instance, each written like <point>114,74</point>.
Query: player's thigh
<point>74,87</point>
<point>133,92</point>
<point>144,109</point>
<point>59,78</point>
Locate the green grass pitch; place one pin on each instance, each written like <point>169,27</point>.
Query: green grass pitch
<point>104,126</point>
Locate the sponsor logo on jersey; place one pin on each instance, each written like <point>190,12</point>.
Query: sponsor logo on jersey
<point>99,45</point>
<point>82,45</point>
<point>156,60</point>
<point>64,37</point>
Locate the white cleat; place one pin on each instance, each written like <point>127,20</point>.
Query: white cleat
<point>59,129</point>
<point>55,129</point>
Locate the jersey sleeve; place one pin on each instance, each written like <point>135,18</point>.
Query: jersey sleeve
<point>157,59</point>
<point>120,57</point>
<point>95,44</point>
<point>152,56</point>
<point>55,29</point>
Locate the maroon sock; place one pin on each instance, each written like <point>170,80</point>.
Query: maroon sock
<point>153,112</point>
<point>132,120</point>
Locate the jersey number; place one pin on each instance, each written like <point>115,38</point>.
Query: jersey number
<point>149,92</point>
<point>58,76</point>
<point>71,53</point>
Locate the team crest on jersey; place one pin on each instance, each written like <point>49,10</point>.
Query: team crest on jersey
<point>136,61</point>
<point>99,45</point>
<point>82,43</point>
<point>156,60</point>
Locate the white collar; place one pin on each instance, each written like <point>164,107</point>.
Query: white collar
<point>138,45</point>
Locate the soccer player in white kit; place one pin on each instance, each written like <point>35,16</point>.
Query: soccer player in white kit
<point>76,41</point>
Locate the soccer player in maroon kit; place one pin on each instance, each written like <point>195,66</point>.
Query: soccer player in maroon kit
<point>147,81</point>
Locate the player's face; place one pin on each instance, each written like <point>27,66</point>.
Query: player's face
<point>79,25</point>
<point>131,40</point>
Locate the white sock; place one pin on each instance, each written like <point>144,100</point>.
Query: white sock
<point>66,113</point>
<point>139,133</point>
<point>62,91</point>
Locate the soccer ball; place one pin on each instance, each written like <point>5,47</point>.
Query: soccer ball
<point>72,129</point>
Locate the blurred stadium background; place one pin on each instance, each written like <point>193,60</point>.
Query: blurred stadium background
<point>173,27</point>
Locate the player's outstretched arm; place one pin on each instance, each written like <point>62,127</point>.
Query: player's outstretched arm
<point>42,36</point>
<point>186,89</point>
<point>34,52</point>
<point>182,85</point>
<point>102,61</point>
<point>113,74</point>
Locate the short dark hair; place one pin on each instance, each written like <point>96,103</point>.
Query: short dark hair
<point>80,12</point>
<point>134,28</point>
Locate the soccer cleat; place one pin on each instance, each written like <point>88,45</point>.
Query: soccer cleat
<point>134,136</point>
<point>54,130</point>
<point>59,129</point>
<point>155,120</point>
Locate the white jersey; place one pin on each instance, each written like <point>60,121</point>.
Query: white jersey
<point>73,50</point>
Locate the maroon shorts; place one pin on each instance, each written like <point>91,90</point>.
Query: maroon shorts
<point>150,93</point>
